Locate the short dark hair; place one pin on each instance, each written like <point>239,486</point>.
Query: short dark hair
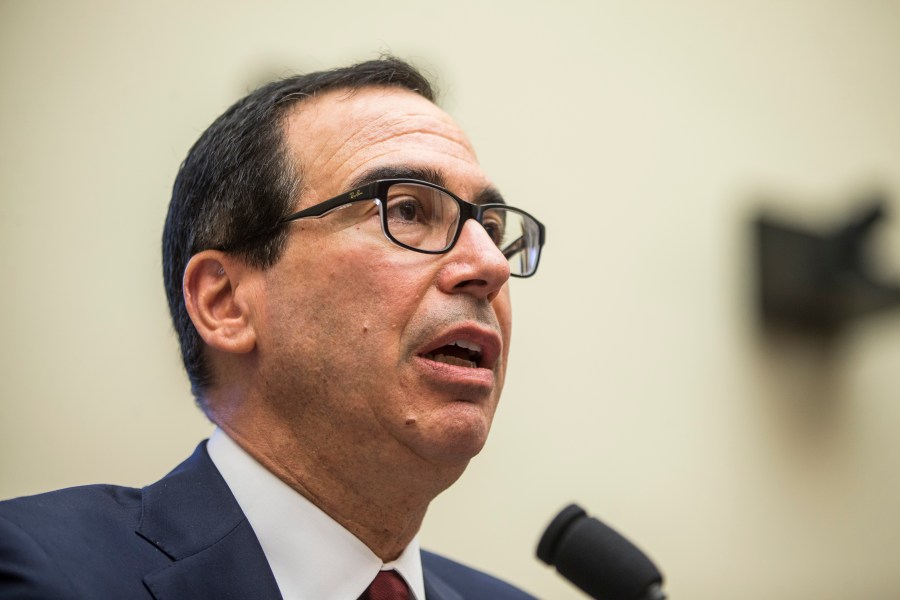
<point>238,181</point>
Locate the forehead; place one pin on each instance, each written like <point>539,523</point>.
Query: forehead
<point>337,137</point>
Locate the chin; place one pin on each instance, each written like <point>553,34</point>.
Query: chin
<point>458,438</point>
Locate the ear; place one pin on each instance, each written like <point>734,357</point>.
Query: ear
<point>218,293</point>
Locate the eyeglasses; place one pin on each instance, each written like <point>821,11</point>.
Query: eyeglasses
<point>425,217</point>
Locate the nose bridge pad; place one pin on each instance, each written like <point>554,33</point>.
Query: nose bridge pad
<point>480,220</point>
<point>478,217</point>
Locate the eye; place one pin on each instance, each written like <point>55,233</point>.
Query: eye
<point>405,209</point>
<point>494,225</point>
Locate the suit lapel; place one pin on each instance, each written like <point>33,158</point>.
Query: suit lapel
<point>192,516</point>
<point>436,588</point>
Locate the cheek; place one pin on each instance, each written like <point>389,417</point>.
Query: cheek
<point>350,292</point>
<point>373,293</point>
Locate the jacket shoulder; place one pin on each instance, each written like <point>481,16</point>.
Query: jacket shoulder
<point>469,583</point>
<point>74,512</point>
<point>59,544</point>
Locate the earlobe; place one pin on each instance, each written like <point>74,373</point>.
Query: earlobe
<point>214,294</point>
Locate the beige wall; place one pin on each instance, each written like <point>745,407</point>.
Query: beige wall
<point>642,133</point>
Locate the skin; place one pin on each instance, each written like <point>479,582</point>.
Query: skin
<point>318,359</point>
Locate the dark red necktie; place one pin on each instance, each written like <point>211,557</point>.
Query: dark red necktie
<point>387,585</point>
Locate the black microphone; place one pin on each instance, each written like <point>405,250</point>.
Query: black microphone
<point>597,559</point>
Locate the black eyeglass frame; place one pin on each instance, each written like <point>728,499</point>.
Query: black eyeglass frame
<point>377,190</point>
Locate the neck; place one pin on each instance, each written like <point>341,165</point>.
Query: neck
<point>380,497</point>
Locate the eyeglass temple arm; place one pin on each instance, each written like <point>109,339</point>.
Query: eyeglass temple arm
<point>515,246</point>
<point>366,192</point>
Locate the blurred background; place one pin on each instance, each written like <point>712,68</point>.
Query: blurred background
<point>647,136</point>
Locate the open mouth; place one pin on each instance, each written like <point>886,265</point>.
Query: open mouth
<point>460,353</point>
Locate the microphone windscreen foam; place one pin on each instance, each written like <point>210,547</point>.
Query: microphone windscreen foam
<point>597,559</point>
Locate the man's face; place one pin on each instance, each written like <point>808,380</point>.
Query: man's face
<point>352,326</point>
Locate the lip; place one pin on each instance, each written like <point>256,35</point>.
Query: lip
<point>488,339</point>
<point>480,376</point>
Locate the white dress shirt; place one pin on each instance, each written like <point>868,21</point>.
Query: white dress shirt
<point>311,555</point>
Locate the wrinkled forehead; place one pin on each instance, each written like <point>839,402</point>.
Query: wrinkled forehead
<point>338,136</point>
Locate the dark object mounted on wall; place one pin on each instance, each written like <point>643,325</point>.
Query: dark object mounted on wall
<point>819,281</point>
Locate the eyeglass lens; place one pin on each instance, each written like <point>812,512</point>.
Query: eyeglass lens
<point>427,218</point>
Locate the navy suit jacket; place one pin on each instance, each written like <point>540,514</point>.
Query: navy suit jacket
<point>184,537</point>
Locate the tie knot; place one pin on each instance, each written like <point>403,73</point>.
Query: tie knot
<point>387,585</point>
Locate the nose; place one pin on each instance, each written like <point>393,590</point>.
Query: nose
<point>475,265</point>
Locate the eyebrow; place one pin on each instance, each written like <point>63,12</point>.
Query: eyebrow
<point>487,195</point>
<point>400,172</point>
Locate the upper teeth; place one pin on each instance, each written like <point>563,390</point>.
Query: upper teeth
<point>471,346</point>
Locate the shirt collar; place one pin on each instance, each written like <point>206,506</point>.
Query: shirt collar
<point>311,555</point>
